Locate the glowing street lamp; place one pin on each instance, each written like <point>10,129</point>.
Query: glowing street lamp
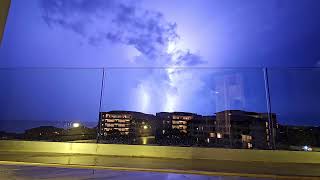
<point>307,148</point>
<point>75,125</point>
<point>145,127</point>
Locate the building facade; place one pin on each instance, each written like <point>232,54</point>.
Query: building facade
<point>185,128</point>
<point>202,130</point>
<point>229,129</point>
<point>290,136</point>
<point>241,129</point>
<point>125,125</point>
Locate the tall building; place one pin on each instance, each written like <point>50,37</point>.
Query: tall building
<point>241,129</point>
<point>125,125</point>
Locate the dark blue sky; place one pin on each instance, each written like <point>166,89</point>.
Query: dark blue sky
<point>161,33</point>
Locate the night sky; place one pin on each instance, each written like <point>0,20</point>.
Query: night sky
<point>216,51</point>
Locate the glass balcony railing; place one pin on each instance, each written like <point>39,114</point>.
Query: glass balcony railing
<point>243,108</point>
<point>49,104</point>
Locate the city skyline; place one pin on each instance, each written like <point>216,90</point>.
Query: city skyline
<point>226,129</point>
<point>24,124</point>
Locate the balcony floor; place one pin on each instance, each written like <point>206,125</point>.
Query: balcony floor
<point>52,164</point>
<point>49,173</point>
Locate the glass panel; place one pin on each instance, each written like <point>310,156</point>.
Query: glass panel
<point>49,104</point>
<point>183,106</point>
<point>295,98</point>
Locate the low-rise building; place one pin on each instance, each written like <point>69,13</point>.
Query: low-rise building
<point>230,129</point>
<point>44,133</point>
<point>125,125</point>
<point>202,130</point>
<point>241,129</point>
<point>185,128</point>
<point>291,135</point>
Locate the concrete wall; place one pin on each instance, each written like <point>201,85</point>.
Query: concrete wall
<point>161,151</point>
<point>4,9</point>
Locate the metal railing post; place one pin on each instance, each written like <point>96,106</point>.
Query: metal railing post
<point>268,100</point>
<point>100,105</point>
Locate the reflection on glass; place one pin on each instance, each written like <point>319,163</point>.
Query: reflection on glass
<point>163,106</point>
<point>295,98</point>
<point>186,107</point>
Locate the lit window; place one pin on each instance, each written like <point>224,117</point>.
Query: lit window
<point>219,135</point>
<point>144,140</point>
<point>212,135</point>
<point>246,138</point>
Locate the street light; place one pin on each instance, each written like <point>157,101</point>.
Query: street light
<point>145,127</point>
<point>75,125</point>
<point>307,148</point>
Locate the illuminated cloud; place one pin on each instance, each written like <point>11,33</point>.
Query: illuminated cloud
<point>114,20</point>
<point>155,39</point>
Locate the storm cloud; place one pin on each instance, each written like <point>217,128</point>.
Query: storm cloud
<point>114,20</point>
<point>127,23</point>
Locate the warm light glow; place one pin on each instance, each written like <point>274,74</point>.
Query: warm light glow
<point>307,148</point>
<point>145,127</point>
<point>219,135</point>
<point>144,140</point>
<point>75,125</point>
<point>212,135</point>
